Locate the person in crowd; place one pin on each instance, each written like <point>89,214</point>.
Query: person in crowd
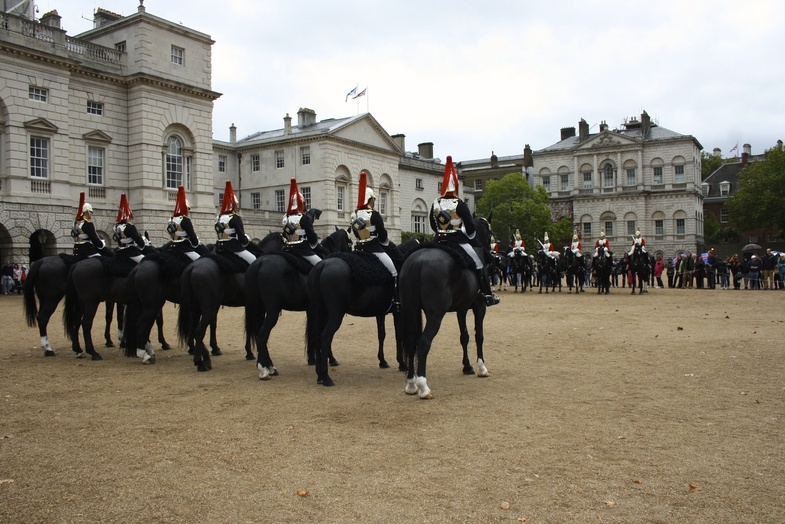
<point>659,267</point>
<point>712,261</point>
<point>755,265</point>
<point>781,266</point>
<point>768,264</point>
<point>670,271</point>
<point>131,243</point>
<point>229,227</point>
<point>734,269</point>
<point>17,280</point>
<point>181,229</point>
<point>451,221</point>
<point>7,278</point>
<point>298,233</point>
<point>87,243</point>
<point>699,272</point>
<point>744,268</point>
<point>722,272</point>
<point>22,279</point>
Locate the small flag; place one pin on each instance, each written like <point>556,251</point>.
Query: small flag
<point>361,93</point>
<point>734,148</point>
<point>351,93</point>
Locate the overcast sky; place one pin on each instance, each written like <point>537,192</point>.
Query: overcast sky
<point>480,76</point>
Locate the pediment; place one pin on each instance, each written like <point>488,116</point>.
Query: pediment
<point>41,125</point>
<point>97,136</point>
<point>367,131</point>
<point>607,139</point>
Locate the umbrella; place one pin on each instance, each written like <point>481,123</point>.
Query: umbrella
<point>751,247</point>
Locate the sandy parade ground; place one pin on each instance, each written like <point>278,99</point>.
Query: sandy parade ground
<point>666,407</point>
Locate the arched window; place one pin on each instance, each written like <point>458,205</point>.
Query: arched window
<point>174,163</point>
<point>607,175</point>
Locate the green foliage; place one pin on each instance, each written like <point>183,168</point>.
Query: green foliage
<point>715,233</point>
<point>759,202</point>
<point>421,237</point>
<point>517,205</point>
<point>709,164</point>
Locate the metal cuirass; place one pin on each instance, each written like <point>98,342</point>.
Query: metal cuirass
<point>445,211</point>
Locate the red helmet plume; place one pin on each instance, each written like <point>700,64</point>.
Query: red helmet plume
<point>81,205</point>
<point>124,214</point>
<point>450,180</point>
<point>296,201</point>
<point>229,203</point>
<point>180,204</point>
<point>365,193</point>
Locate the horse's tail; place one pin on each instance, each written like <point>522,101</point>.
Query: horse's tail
<point>253,303</point>
<point>315,312</point>
<point>186,318</point>
<point>133,311</point>
<point>409,286</point>
<point>31,306</point>
<point>71,310</point>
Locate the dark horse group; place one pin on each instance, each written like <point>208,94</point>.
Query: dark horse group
<point>433,280</point>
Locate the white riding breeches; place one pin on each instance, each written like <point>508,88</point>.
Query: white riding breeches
<point>472,253</point>
<point>313,259</point>
<point>388,263</point>
<point>193,255</point>
<point>246,255</point>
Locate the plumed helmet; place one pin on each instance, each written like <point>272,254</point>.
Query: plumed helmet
<point>80,207</point>
<point>296,201</point>
<point>638,233</point>
<point>124,213</point>
<point>229,203</point>
<point>493,239</point>
<point>545,239</point>
<point>575,236</point>
<point>181,205</point>
<point>602,233</point>
<point>450,180</point>
<point>365,193</point>
<point>87,208</point>
<point>517,234</point>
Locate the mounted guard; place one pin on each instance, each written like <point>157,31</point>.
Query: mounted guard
<point>180,228</point>
<point>576,247</point>
<point>298,233</point>
<point>229,227</point>
<point>602,245</point>
<point>126,235</point>
<point>87,243</point>
<point>452,222</point>
<point>637,240</point>
<point>518,245</point>
<point>548,248</point>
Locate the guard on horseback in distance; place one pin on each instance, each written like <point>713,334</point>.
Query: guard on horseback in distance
<point>518,245</point>
<point>125,233</point>
<point>298,233</point>
<point>547,247</point>
<point>87,243</point>
<point>229,227</point>
<point>452,222</point>
<point>602,245</point>
<point>368,226</point>
<point>638,240</point>
<point>180,228</point>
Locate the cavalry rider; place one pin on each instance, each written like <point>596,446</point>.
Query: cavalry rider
<point>602,245</point>
<point>452,221</point>
<point>548,247</point>
<point>576,247</point>
<point>368,226</point>
<point>518,245</point>
<point>638,240</point>
<point>299,236</point>
<point>126,234</point>
<point>494,246</point>
<point>229,226</point>
<point>184,239</point>
<point>87,243</point>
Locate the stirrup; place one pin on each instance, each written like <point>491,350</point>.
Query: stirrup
<point>492,299</point>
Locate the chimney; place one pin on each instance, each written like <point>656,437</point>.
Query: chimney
<point>746,154</point>
<point>583,130</point>
<point>51,19</point>
<point>528,160</point>
<point>401,141</point>
<point>287,125</point>
<point>103,17</point>
<point>645,124</point>
<point>603,126</point>
<point>567,132</point>
<point>425,150</point>
<point>306,117</point>
<point>232,134</point>
<point>717,152</point>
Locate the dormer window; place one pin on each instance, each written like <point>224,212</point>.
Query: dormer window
<point>724,188</point>
<point>705,189</point>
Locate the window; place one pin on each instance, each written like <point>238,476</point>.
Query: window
<point>587,230</point>
<point>724,215</point>
<point>724,188</point>
<point>280,201</point>
<point>256,200</point>
<point>188,173</point>
<point>222,163</point>
<point>478,184</point>
<point>383,203</point>
<point>95,165</point>
<point>658,175</point>
<point>681,226</point>
<point>174,163</point>
<point>587,182</point>
<point>659,227</point>
<point>418,223</point>
<point>607,177</point>
<point>631,227</point>
<point>546,183</point>
<point>418,183</point>
<point>705,189</point>
<point>678,174</point>
<point>39,157</point>
<point>38,94</point>
<point>279,163</point>
<point>120,46</point>
<point>631,177</point>
<point>440,187</point>
<point>608,228</point>
<point>178,55</point>
<point>339,195</point>
<point>305,155</point>
<point>564,182</point>
<point>255,164</point>
<point>306,191</point>
<point>95,108</point>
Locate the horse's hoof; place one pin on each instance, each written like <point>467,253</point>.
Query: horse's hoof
<point>165,346</point>
<point>250,356</point>
<point>216,352</point>
<point>96,356</point>
<point>191,352</point>
<point>468,370</point>
<point>49,353</point>
<point>80,354</point>
<point>325,381</point>
<point>202,367</point>
<point>384,365</point>
<point>109,344</point>
<point>334,362</point>
<point>311,361</point>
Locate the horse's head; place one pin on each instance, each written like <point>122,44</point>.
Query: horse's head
<point>272,242</point>
<point>483,228</point>
<point>338,241</point>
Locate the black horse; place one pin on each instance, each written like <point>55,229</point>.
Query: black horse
<point>278,282</point>
<point>575,270</point>
<point>497,270</point>
<point>47,281</point>
<point>602,267</point>
<point>548,272</point>
<point>639,269</point>
<point>435,281</point>
<point>520,270</point>
<point>205,286</point>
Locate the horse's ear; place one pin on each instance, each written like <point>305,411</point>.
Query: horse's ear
<point>336,228</point>
<point>490,217</point>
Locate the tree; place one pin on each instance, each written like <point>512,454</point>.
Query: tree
<point>517,205</point>
<point>759,202</point>
<point>709,164</point>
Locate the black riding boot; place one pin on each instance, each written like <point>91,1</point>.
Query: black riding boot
<point>491,299</point>
<point>395,307</point>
